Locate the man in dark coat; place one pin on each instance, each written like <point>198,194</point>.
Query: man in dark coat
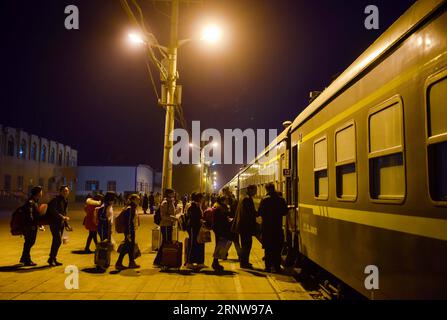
<point>31,217</point>
<point>57,218</point>
<point>245,225</point>
<point>272,208</point>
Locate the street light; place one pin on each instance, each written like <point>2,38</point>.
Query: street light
<point>136,38</point>
<point>211,34</point>
<point>169,75</point>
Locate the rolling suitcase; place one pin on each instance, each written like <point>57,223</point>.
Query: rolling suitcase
<point>155,239</point>
<point>172,255</point>
<point>102,254</point>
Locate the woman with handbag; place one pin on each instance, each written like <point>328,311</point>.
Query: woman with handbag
<point>195,255</point>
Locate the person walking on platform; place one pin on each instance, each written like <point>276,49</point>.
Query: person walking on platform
<point>272,209</point>
<point>196,251</point>
<point>90,221</point>
<point>58,220</point>
<point>130,225</point>
<point>145,204</point>
<point>152,203</point>
<point>245,225</point>
<point>30,225</point>
<point>105,217</point>
<point>167,213</point>
<point>222,231</point>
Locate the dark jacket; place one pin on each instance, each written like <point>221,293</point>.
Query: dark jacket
<point>31,214</point>
<point>145,204</point>
<point>151,200</point>
<point>245,220</point>
<point>195,217</point>
<point>130,216</point>
<point>221,226</point>
<point>57,209</point>
<point>272,208</point>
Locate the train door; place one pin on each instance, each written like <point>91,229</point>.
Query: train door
<point>292,216</point>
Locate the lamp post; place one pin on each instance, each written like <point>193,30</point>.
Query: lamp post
<point>202,163</point>
<point>210,34</point>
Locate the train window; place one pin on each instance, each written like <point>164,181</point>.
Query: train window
<point>345,166</point>
<point>437,137</point>
<point>386,161</point>
<point>320,169</point>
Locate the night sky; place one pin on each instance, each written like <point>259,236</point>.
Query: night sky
<point>89,89</point>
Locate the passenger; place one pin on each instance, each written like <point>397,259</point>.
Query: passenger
<point>272,209</point>
<point>145,204</point>
<point>195,257</point>
<point>58,220</point>
<point>105,217</point>
<point>245,225</point>
<point>167,212</point>
<point>90,221</point>
<point>130,220</point>
<point>232,205</point>
<point>152,203</point>
<point>222,231</point>
<point>30,226</point>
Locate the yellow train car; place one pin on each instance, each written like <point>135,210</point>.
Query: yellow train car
<point>366,164</point>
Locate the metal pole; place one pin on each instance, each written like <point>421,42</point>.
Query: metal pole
<point>170,107</point>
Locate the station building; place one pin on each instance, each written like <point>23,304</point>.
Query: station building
<point>120,179</point>
<point>27,160</point>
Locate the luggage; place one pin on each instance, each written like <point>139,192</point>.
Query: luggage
<point>172,255</point>
<point>155,239</point>
<point>204,235</point>
<point>120,224</point>
<point>102,254</point>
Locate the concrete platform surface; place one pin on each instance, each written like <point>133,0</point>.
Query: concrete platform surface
<point>147,283</point>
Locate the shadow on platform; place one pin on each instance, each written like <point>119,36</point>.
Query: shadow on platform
<point>94,270</point>
<point>82,252</point>
<point>22,269</point>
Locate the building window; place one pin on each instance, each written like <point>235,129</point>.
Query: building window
<point>345,162</point>
<point>7,183</point>
<point>92,185</point>
<point>20,183</point>
<point>59,159</point>
<point>386,160</point>
<point>111,185</point>
<point>52,156</point>
<point>320,169</point>
<point>437,137</point>
<point>11,147</point>
<point>33,152</point>
<point>22,150</point>
<point>43,154</point>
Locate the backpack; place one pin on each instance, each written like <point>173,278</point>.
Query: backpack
<point>157,216</point>
<point>120,224</point>
<point>17,222</point>
<point>208,216</point>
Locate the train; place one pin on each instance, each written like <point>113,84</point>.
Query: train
<point>364,166</point>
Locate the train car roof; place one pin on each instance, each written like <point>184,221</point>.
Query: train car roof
<point>399,29</point>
